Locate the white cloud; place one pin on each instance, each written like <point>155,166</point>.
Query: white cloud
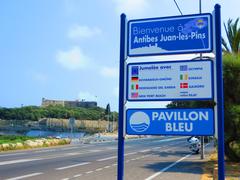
<point>132,7</point>
<point>86,96</point>
<point>110,72</point>
<point>73,59</point>
<point>77,32</point>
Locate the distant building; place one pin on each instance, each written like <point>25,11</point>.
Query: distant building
<point>77,103</point>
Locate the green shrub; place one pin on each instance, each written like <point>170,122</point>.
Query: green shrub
<point>231,67</point>
<point>26,143</point>
<point>14,138</point>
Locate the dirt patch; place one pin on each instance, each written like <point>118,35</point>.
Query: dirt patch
<point>232,169</point>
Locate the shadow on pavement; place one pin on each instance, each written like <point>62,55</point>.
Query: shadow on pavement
<point>170,153</point>
<point>190,166</point>
<point>183,167</point>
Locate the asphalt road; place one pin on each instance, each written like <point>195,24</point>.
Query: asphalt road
<point>149,158</point>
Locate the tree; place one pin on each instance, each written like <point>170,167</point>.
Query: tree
<point>34,113</point>
<point>107,113</point>
<point>231,65</point>
<point>233,37</point>
<point>108,110</point>
<point>231,74</point>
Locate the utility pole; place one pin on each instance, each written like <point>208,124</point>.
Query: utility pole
<point>107,112</point>
<point>202,137</point>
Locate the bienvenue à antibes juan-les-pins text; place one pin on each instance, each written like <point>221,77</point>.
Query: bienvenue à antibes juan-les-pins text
<point>163,38</point>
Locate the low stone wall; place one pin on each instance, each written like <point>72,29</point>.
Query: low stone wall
<point>34,144</point>
<point>80,125</point>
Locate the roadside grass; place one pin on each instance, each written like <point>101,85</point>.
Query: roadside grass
<point>14,139</point>
<point>14,142</point>
<point>232,169</point>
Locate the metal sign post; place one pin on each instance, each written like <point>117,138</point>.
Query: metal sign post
<point>121,100</point>
<point>220,95</point>
<point>202,137</point>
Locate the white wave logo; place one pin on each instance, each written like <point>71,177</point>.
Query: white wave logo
<point>139,121</point>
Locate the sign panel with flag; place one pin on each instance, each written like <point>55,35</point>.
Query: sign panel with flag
<point>175,80</point>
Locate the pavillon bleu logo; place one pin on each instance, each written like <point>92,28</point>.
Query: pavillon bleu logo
<point>139,121</point>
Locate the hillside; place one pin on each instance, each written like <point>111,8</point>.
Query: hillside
<point>34,113</point>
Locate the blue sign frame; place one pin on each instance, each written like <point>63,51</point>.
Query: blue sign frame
<point>204,128</point>
<point>172,99</point>
<point>173,19</point>
<point>219,95</point>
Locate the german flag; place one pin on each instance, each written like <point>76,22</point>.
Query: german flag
<point>134,79</point>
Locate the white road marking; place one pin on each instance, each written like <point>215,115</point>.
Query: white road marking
<point>166,168</point>
<point>71,166</point>
<point>104,159</point>
<point>171,139</point>
<point>95,150</point>
<point>17,161</point>
<point>107,167</point>
<point>131,153</point>
<point>156,148</point>
<point>45,150</point>
<point>70,148</point>
<point>146,150</point>
<point>72,154</point>
<point>2,155</point>
<point>114,164</point>
<point>25,176</point>
<point>89,172</point>
<point>65,179</point>
<point>99,169</point>
<point>84,146</point>
<point>113,157</point>
<point>77,175</point>
<point>111,148</point>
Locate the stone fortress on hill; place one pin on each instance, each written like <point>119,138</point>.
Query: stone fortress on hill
<point>76,103</point>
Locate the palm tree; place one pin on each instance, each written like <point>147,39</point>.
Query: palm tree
<point>233,36</point>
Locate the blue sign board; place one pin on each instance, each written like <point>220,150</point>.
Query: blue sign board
<point>185,122</point>
<point>174,80</point>
<point>170,35</point>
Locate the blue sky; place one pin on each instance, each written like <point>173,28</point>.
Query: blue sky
<point>69,49</point>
